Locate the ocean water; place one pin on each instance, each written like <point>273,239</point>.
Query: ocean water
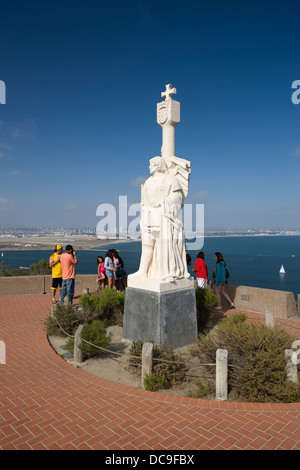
<point>252,261</point>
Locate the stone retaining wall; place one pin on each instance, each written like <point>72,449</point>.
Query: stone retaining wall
<point>42,284</point>
<point>254,299</point>
<point>280,303</point>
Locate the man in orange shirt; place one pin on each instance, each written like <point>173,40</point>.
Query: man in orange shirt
<point>68,261</point>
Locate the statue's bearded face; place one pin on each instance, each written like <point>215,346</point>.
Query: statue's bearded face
<point>157,164</point>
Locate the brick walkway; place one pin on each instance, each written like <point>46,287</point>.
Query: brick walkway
<point>46,403</point>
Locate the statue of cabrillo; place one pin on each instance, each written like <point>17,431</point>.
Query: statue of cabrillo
<point>160,301</point>
<point>163,248</point>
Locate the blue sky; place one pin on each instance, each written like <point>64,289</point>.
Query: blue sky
<point>82,82</point>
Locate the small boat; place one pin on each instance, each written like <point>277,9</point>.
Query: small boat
<point>282,270</point>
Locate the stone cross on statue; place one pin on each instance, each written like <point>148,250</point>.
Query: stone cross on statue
<point>169,92</point>
<point>168,116</point>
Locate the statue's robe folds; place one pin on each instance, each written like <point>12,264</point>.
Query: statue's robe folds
<point>161,225</point>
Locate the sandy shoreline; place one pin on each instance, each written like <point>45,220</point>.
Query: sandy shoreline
<point>48,243</point>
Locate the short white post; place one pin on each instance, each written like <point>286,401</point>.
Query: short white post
<point>77,341</point>
<point>53,308</point>
<point>222,374</point>
<point>269,319</point>
<point>147,354</point>
<point>291,367</point>
<point>86,290</point>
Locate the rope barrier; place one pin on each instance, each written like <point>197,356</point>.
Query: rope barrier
<point>139,358</point>
<point>128,355</point>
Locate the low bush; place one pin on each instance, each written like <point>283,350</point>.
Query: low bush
<point>136,351</point>
<point>165,374</point>
<point>94,333</point>
<point>107,304</point>
<point>206,301</point>
<point>256,358</point>
<point>66,318</point>
<point>42,267</point>
<point>203,390</point>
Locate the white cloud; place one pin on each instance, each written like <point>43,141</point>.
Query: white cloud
<point>5,146</point>
<point>138,180</point>
<point>7,204</point>
<point>19,130</point>
<point>201,194</point>
<point>296,152</point>
<point>17,173</point>
<point>70,207</point>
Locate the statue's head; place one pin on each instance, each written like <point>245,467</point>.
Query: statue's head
<point>157,164</point>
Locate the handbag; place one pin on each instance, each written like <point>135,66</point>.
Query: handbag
<point>120,273</point>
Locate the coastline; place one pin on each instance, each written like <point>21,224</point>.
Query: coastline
<point>93,243</point>
<point>48,243</point>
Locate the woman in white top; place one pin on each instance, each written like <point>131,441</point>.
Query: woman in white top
<point>109,269</point>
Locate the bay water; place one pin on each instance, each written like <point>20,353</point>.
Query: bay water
<point>251,260</point>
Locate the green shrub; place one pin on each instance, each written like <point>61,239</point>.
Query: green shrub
<point>3,269</point>
<point>206,301</point>
<point>136,351</point>
<point>94,333</point>
<point>42,267</point>
<point>165,374</point>
<point>203,390</point>
<point>107,304</point>
<point>256,358</point>
<point>67,319</point>
<point>18,272</point>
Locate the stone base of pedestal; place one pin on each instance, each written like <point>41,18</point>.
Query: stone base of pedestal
<point>167,318</point>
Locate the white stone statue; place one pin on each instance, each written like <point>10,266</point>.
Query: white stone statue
<point>163,247</point>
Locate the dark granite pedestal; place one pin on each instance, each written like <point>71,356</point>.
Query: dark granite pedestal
<point>167,318</point>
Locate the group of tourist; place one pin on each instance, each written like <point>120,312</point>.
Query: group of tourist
<point>63,272</point>
<point>111,272</point>
<point>220,275</point>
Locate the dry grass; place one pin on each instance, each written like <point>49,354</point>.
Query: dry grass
<point>256,358</point>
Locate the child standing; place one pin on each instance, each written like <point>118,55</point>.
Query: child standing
<point>101,272</point>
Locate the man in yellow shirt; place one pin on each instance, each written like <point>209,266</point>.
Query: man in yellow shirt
<point>54,263</point>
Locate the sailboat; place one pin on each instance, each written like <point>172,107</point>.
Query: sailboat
<point>2,254</point>
<point>282,270</point>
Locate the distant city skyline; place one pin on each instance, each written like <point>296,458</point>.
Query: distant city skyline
<point>78,126</point>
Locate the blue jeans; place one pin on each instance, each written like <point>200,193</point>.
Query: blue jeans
<point>67,289</point>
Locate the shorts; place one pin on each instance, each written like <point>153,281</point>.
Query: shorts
<point>56,281</point>
<point>109,273</point>
<point>220,283</point>
<point>201,282</point>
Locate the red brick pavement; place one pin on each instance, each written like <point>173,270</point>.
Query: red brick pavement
<point>46,403</point>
